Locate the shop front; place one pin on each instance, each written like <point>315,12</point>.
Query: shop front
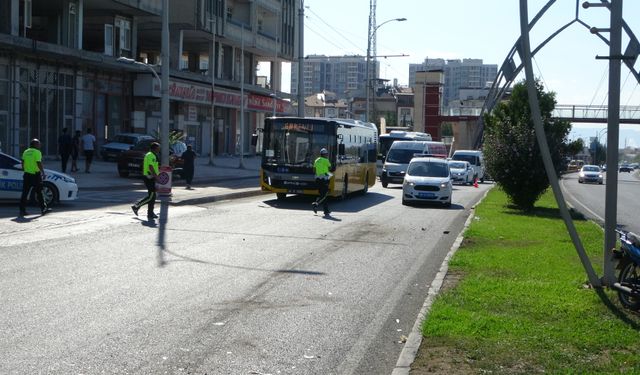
<point>190,112</point>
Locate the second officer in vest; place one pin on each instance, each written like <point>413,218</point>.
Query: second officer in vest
<point>150,174</point>
<point>322,166</point>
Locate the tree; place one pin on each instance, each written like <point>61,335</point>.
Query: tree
<point>511,150</point>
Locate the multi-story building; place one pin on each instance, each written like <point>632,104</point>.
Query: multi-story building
<point>62,66</point>
<point>343,75</point>
<point>467,73</point>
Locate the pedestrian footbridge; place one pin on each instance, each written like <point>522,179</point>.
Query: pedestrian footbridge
<point>595,113</point>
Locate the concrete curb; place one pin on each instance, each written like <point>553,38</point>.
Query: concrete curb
<point>410,350</point>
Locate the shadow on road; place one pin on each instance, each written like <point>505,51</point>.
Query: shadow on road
<point>354,203</point>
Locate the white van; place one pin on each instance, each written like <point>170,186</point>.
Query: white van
<point>474,157</point>
<point>401,153</point>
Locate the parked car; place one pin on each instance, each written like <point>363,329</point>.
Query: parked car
<point>427,180</point>
<point>120,143</point>
<point>130,162</point>
<point>461,171</point>
<point>590,173</point>
<point>625,168</point>
<point>56,186</point>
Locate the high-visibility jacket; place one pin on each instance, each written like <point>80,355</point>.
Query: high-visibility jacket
<point>30,159</point>
<point>150,159</point>
<point>321,166</point>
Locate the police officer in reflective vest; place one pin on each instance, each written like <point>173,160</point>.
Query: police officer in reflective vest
<point>33,176</point>
<point>321,167</point>
<point>150,174</point>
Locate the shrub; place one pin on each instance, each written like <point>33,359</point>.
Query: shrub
<point>511,150</point>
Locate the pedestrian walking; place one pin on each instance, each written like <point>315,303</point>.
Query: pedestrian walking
<point>188,169</point>
<point>89,147</point>
<point>321,166</point>
<point>65,145</point>
<point>75,150</point>
<point>149,175</point>
<point>33,176</point>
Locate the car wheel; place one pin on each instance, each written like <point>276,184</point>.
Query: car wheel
<point>123,173</point>
<point>405,202</point>
<point>448,203</point>
<point>384,182</point>
<point>281,196</point>
<point>50,193</point>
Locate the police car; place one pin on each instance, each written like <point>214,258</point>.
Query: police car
<point>56,186</point>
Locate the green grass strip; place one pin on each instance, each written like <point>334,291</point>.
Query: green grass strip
<point>521,305</point>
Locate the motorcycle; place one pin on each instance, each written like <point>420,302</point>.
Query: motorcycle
<point>628,285</point>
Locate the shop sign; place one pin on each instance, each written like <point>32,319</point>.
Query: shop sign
<point>192,113</point>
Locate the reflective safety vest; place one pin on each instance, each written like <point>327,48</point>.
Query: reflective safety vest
<point>321,166</point>
<point>150,159</point>
<point>30,159</point>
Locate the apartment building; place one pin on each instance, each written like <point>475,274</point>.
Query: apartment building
<point>63,63</point>
<point>465,73</point>
<point>343,75</point>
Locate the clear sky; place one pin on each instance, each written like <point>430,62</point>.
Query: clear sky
<point>484,30</point>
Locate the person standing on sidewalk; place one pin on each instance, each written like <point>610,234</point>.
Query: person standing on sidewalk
<point>89,147</point>
<point>188,168</point>
<point>33,176</point>
<point>149,175</point>
<point>65,144</point>
<point>75,151</point>
<point>322,166</point>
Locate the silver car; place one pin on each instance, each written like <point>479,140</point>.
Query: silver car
<point>427,180</point>
<point>590,173</point>
<point>461,171</point>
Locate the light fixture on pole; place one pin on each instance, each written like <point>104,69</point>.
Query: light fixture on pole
<point>127,60</point>
<point>368,63</point>
<point>212,66</point>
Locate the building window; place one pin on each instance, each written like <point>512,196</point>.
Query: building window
<point>123,29</point>
<point>73,21</point>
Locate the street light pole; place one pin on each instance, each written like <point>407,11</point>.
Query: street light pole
<point>241,165</point>
<point>164,126</point>
<point>212,64</point>
<point>600,133</point>
<point>368,63</point>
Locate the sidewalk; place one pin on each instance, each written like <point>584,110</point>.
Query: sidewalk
<point>223,180</point>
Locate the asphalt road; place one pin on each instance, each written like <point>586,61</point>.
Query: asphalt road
<point>590,199</point>
<point>250,286</point>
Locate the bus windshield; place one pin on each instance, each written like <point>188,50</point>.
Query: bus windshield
<point>295,144</point>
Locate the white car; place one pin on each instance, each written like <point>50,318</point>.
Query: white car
<point>427,180</point>
<point>461,171</point>
<point>590,173</point>
<point>56,186</point>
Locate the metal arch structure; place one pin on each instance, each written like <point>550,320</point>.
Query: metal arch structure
<point>617,25</point>
<point>510,70</point>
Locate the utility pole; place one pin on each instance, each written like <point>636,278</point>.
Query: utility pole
<point>613,137</point>
<point>301,59</point>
